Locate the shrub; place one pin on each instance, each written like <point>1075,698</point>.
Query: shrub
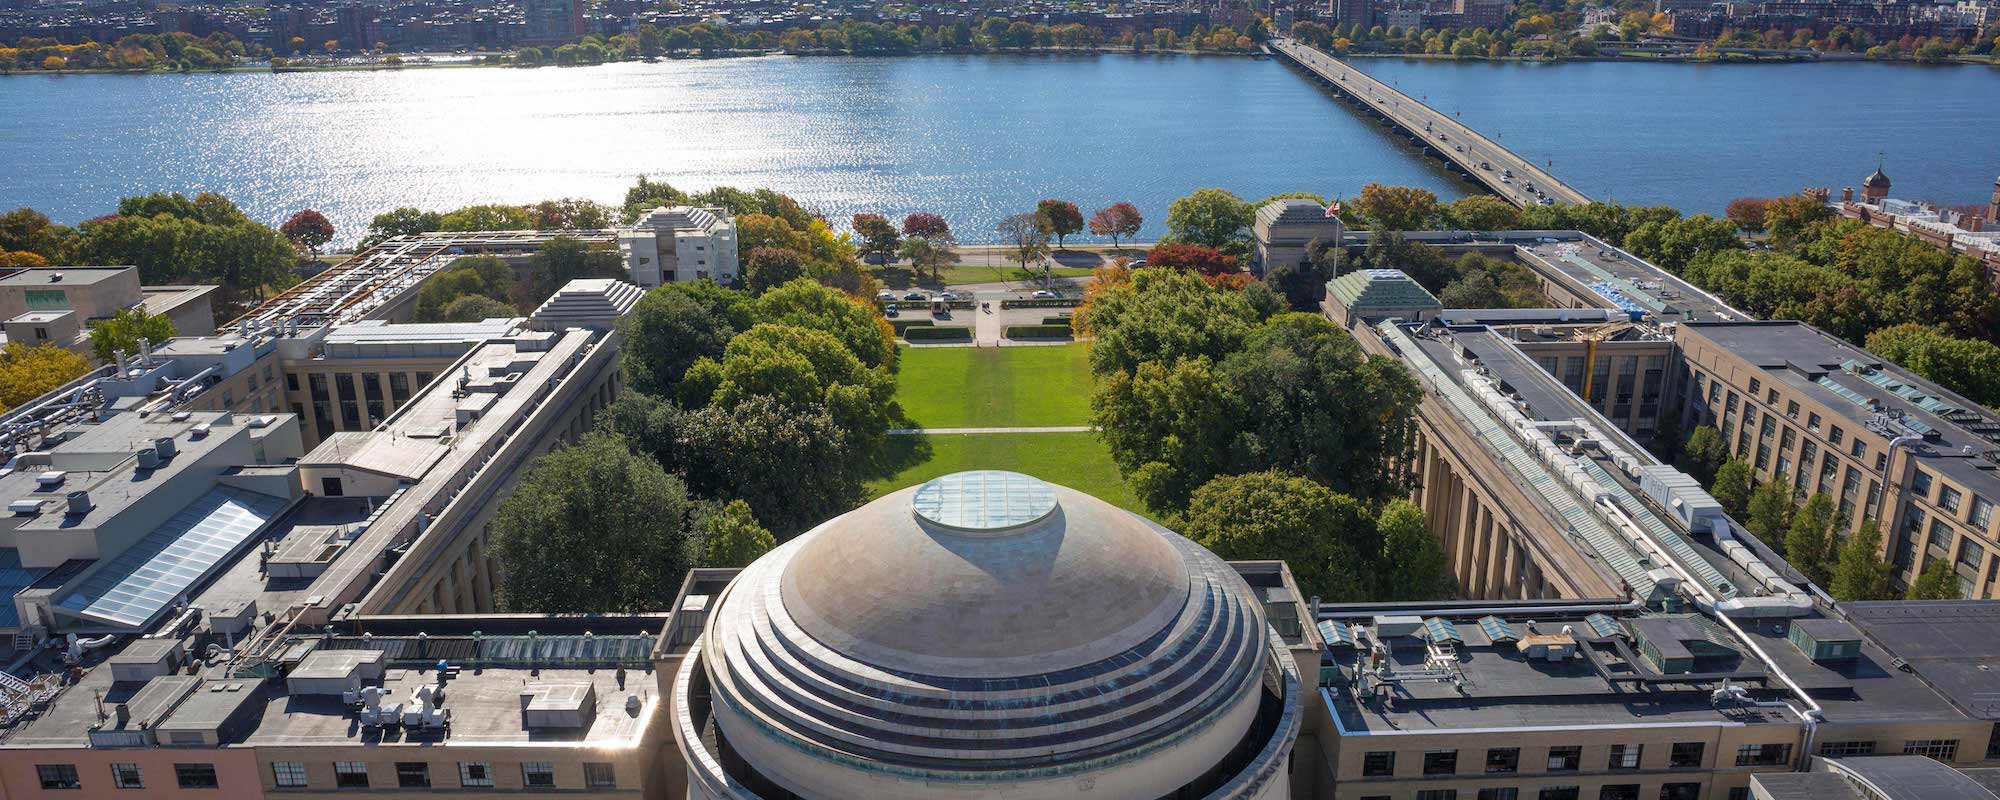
<point>1063,319</point>
<point>1040,302</point>
<point>902,325</point>
<point>1039,332</point>
<point>938,333</point>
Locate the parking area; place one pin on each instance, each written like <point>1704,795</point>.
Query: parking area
<point>991,321</point>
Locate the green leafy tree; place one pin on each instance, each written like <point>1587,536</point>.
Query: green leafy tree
<point>1808,540</point>
<point>28,372</point>
<point>124,330</point>
<point>1322,535</point>
<point>571,214</point>
<point>1483,212</point>
<point>473,308</point>
<point>1860,573</point>
<point>1673,244</point>
<point>1703,454</point>
<point>482,276</point>
<point>731,537</point>
<point>855,323</point>
<point>489,217</point>
<point>878,235</point>
<point>1026,237</point>
<point>1209,217</point>
<point>1414,566</point>
<point>1064,218</point>
<point>1398,208</point>
<point>646,195</point>
<point>801,369</point>
<point>25,230</point>
<point>675,325</point>
<point>1771,508</point>
<point>561,260</point>
<point>754,452</point>
<point>175,239</point>
<point>1164,315</point>
<point>400,222</point>
<point>1732,487</point>
<point>931,256</point>
<point>1936,582</point>
<point>769,267</point>
<point>1970,367</point>
<point>593,528</point>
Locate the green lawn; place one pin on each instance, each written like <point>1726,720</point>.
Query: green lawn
<point>979,387</point>
<point>1077,460</point>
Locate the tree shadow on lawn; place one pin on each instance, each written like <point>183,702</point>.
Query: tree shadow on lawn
<point>900,277</point>
<point>903,452</point>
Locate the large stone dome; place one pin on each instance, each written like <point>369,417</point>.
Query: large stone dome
<point>986,634</point>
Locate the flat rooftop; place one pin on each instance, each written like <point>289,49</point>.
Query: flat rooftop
<point>1951,645</point>
<point>1592,263</point>
<point>58,277</point>
<point>1846,378</point>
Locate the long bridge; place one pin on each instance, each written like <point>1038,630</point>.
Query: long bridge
<point>1478,158</point>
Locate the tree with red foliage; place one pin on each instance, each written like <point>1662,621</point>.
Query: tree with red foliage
<point>308,229</point>
<point>1063,216</point>
<point>1208,261</point>
<point>1117,221</point>
<point>930,227</point>
<point>1747,213</point>
<point>878,235</point>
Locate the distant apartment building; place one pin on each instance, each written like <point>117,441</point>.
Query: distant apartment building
<point>1974,234</point>
<point>56,305</point>
<point>551,21</point>
<point>680,243</point>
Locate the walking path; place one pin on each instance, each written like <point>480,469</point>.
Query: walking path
<point>1044,429</point>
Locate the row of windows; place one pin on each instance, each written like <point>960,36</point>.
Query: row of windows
<point>127,776</point>
<point>1945,750</point>
<point>1507,760</point>
<point>417,775</point>
<point>1622,791</point>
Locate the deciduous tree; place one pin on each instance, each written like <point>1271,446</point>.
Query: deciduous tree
<point>1322,535</point>
<point>488,217</point>
<point>1936,582</point>
<point>1211,217</point>
<point>1704,453</point>
<point>1165,316</point>
<point>1397,208</point>
<point>878,236</point>
<point>675,325</point>
<point>1207,261</point>
<point>800,369</point>
<point>853,322</point>
<point>1861,575</point>
<point>309,230</point>
<point>1968,366</point>
<point>28,372</point>
<point>1808,540</point>
<point>730,536</point>
<point>1414,566</point>
<point>593,528</point>
<point>1026,237</point>
<point>125,329</point>
<point>473,308</point>
<point>1063,216</point>
<point>1747,213</point>
<point>1118,221</point>
<point>1732,487</point>
<point>925,225</point>
<point>1483,212</point>
<point>768,267</point>
<point>400,222</point>
<point>571,214</point>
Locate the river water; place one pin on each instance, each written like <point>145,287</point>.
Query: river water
<point>971,137</point>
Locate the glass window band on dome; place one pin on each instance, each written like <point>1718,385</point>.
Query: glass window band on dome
<point>985,501</point>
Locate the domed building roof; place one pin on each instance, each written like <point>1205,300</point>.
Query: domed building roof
<point>1877,180</point>
<point>983,629</point>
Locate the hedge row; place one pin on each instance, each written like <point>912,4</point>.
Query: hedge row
<point>938,333</point>
<point>1039,332</point>
<point>1061,320</point>
<point>1040,302</point>
<point>904,324</point>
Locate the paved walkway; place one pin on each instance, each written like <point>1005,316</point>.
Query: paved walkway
<point>1045,429</point>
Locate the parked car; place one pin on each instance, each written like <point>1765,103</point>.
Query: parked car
<point>916,296</point>
<point>890,310</point>
<point>948,296</point>
<point>1135,264</point>
<point>1548,201</point>
<point>1044,294</point>
<point>885,295</point>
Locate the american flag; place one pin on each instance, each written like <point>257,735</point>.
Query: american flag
<point>1333,209</point>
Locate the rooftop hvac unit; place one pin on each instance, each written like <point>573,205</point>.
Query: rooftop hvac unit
<point>24,506</point>
<point>51,478</point>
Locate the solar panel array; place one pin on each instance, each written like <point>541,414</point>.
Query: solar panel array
<point>139,583</point>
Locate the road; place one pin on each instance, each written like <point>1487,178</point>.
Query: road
<point>1510,176</point>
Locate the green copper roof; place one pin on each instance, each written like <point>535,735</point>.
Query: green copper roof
<point>1366,289</point>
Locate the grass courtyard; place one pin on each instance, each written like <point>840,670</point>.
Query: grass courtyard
<point>985,387</point>
<point>990,387</point>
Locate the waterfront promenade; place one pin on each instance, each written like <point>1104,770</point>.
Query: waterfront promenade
<point>1480,159</point>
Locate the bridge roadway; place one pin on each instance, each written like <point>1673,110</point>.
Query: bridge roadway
<point>1440,134</point>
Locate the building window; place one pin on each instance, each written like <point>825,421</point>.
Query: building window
<point>1379,764</point>
<point>1812,422</point>
<point>1756,386</point>
<point>1626,756</point>
<point>47,300</point>
<point>413,774</point>
<point>1949,499</point>
<point>538,774</point>
<point>599,775</point>
<point>1619,791</point>
<point>1500,760</point>
<point>1437,794</point>
<point>399,388</point>
<point>195,776</point>
<point>1502,793</point>
<point>1842,749</point>
<point>288,774</point>
<point>1680,791</point>
<point>1993,743</point>
<point>1686,754</point>
<point>1441,762</point>
<point>1763,755</point>
<point>1971,556</point>
<point>1859,450</point>
<point>350,774</point>
<point>1739,793</point>
<point>1565,759</point>
<point>371,391</point>
<point>127,776</point>
<point>1559,793</point>
<point>1921,485</point>
<point>475,774</point>
<point>1945,750</point>
<point>1982,513</point>
<point>58,776</point>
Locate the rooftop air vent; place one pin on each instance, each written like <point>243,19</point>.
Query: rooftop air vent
<point>51,478</point>
<point>24,506</point>
<point>79,502</point>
